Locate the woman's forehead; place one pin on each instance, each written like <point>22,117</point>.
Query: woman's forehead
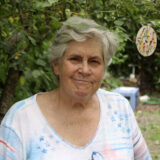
<point>90,47</point>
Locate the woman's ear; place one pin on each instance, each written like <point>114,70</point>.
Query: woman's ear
<point>55,65</point>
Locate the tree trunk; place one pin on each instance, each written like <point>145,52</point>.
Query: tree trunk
<point>146,76</point>
<point>8,91</point>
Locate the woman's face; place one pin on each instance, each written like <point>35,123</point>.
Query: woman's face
<point>81,68</point>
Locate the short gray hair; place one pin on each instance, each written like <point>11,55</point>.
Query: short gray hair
<point>80,29</point>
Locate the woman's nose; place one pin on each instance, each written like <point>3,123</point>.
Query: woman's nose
<point>85,68</point>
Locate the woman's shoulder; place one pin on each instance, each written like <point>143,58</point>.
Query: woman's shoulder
<point>114,100</point>
<point>16,110</point>
<point>109,94</point>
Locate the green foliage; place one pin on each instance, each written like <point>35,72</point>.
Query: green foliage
<point>153,101</point>
<point>27,30</point>
<point>120,57</point>
<point>44,4</point>
<point>111,82</point>
<point>26,36</point>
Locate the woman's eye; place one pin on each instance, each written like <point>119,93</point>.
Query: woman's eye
<point>74,59</point>
<point>94,61</point>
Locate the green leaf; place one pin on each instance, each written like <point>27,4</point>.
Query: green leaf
<point>41,62</point>
<point>118,22</point>
<point>42,4</point>
<point>22,80</point>
<point>68,12</point>
<point>45,4</point>
<point>55,24</point>
<point>52,1</point>
<point>33,41</point>
<point>36,73</point>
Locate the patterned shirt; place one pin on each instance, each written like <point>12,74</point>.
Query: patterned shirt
<point>25,134</point>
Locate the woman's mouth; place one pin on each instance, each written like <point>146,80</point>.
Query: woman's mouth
<point>81,81</point>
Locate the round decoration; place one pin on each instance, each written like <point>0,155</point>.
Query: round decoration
<point>146,41</point>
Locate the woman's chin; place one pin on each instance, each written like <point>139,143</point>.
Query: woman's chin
<point>82,94</point>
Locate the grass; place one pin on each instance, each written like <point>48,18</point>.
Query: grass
<point>153,101</point>
<point>149,122</point>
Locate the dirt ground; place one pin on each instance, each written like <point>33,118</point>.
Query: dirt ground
<point>148,117</point>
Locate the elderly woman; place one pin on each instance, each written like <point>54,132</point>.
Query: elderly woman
<point>76,121</point>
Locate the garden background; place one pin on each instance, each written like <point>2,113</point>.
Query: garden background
<point>27,30</point>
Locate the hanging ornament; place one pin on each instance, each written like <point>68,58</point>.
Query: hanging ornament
<point>146,41</point>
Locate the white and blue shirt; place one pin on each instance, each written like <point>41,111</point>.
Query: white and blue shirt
<point>25,134</point>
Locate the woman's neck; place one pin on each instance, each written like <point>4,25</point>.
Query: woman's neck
<point>73,103</point>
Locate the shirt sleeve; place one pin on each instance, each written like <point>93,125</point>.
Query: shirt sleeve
<point>141,151</point>
<point>10,144</point>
